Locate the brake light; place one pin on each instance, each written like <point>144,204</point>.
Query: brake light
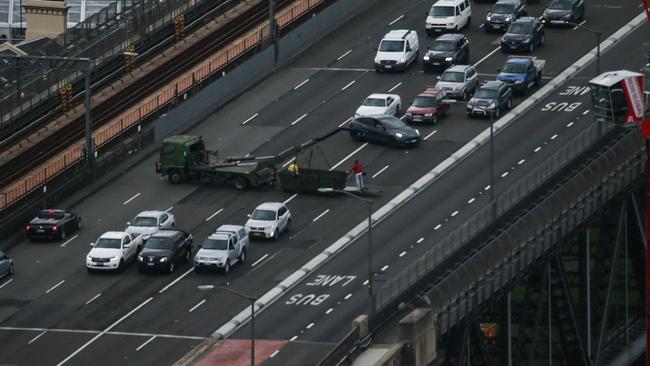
<point>26,227</point>
<point>55,228</point>
<point>51,211</point>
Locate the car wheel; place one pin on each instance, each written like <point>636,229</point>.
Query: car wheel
<point>63,236</point>
<point>240,183</point>
<point>531,48</point>
<point>242,256</point>
<point>173,225</point>
<point>435,119</point>
<point>465,95</point>
<point>120,267</point>
<point>355,136</point>
<point>398,110</point>
<point>11,269</point>
<point>175,177</point>
<point>79,225</point>
<point>276,234</point>
<point>226,268</point>
<point>188,254</point>
<point>509,103</point>
<point>541,41</point>
<point>90,270</point>
<point>497,113</point>
<point>171,265</point>
<point>469,22</point>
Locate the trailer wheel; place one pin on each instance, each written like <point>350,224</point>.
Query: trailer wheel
<point>240,183</point>
<point>175,177</point>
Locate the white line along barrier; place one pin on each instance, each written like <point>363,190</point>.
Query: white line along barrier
<point>275,293</point>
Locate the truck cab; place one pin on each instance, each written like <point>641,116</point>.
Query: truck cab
<point>521,73</point>
<point>178,153</point>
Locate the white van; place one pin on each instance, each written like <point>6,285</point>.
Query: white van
<point>397,50</point>
<point>448,15</point>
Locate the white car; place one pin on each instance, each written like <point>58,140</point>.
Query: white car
<point>113,250</point>
<point>148,222</point>
<point>448,16</point>
<point>269,220</point>
<point>397,50</point>
<point>222,249</point>
<point>378,104</point>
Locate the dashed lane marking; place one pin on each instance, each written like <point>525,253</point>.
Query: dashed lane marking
<point>250,118</point>
<point>487,56</point>
<point>86,331</point>
<point>396,19</point>
<point>344,122</point>
<point>504,175</point>
<point>145,343</point>
<point>299,119</point>
<point>309,326</point>
<point>579,25</point>
<point>329,310</point>
<point>131,199</point>
<point>521,161</point>
<point>348,85</point>
<point>301,84</point>
<point>94,298</point>
<point>384,268</point>
<point>274,353</point>
<point>487,188</point>
<point>585,112</point>
<point>259,260</point>
<point>454,213</point>
<point>366,282</point>
<point>176,280</point>
<point>69,240</point>
<point>569,124</point>
<point>197,305</point>
<point>537,148</point>
<point>37,337</point>
<point>347,296</point>
<point>288,162</point>
<point>395,87</point>
<point>169,209</point>
<point>420,240</point>
<point>437,227</point>
<point>402,254</point>
<point>55,286</point>
<point>321,215</point>
<point>380,171</point>
<point>343,55</point>
<point>290,198</point>
<point>213,215</point>
<point>430,134</point>
<point>471,200</point>
<point>293,338</point>
<point>554,137</point>
<point>6,283</point>
<point>349,156</point>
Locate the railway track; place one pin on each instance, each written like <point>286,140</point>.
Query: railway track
<point>135,92</point>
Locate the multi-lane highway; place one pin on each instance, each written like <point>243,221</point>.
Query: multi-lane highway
<point>53,312</point>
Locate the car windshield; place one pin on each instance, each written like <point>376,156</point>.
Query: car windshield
<point>424,102</point>
<point>561,5</point>
<point>503,9</point>
<point>442,11</point>
<point>391,46</point>
<point>49,215</point>
<point>393,123</point>
<point>265,215</point>
<point>216,243</point>
<point>374,102</point>
<point>108,243</point>
<point>144,221</point>
<point>159,243</point>
<point>483,93</point>
<point>455,77</point>
<point>443,46</point>
<point>521,28</point>
<point>514,68</point>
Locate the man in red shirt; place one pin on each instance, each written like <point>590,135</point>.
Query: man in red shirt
<point>357,170</point>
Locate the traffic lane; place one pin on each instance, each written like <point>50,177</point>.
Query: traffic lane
<point>44,349</point>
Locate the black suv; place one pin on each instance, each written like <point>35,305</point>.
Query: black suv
<point>524,34</point>
<point>164,249</point>
<point>490,99</point>
<point>446,50</point>
<point>502,14</point>
<point>383,129</point>
<point>564,12</point>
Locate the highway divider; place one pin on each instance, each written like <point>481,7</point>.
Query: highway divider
<point>410,192</point>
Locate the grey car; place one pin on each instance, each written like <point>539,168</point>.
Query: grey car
<point>222,249</point>
<point>6,265</point>
<point>459,81</point>
<point>490,99</point>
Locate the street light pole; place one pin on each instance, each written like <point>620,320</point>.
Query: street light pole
<point>598,37</point>
<point>492,203</point>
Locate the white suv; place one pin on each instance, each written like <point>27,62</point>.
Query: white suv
<point>222,249</point>
<point>269,220</point>
<point>397,50</point>
<point>113,250</point>
<point>448,15</point>
<point>148,222</point>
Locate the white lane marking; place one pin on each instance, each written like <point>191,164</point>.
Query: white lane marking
<point>299,119</point>
<point>118,321</point>
<point>37,337</point>
<point>301,84</point>
<point>347,296</point>
<point>94,298</point>
<point>578,26</point>
<point>554,137</point>
<point>431,134</point>
<point>250,118</point>
<point>274,353</point>
<point>176,280</point>
<point>55,286</point>
<point>349,156</point>
<point>310,325</point>
<point>454,213</point>
<point>288,162</point>
<point>321,215</point>
<point>85,331</point>
<point>481,26</point>
<point>569,124</point>
<point>437,227</point>
<point>396,19</point>
<point>504,175</point>
<point>6,283</point>
<point>537,149</point>
<point>331,309</point>
<point>259,260</point>
<point>402,254</point>
<point>585,112</point>
<point>384,268</point>
<point>145,343</point>
<point>380,171</point>
<point>395,87</point>
<point>293,338</point>
<point>344,122</point>
<point>348,85</point>
<point>169,209</point>
<point>366,282</point>
<point>487,56</point>
<point>487,188</point>
<point>69,240</point>
<point>131,199</point>
<point>214,214</point>
<point>343,55</point>
<point>420,240</point>
<point>290,198</point>
<point>521,161</point>
<point>197,305</point>
<point>471,200</point>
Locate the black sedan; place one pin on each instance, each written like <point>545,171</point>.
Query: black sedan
<point>164,249</point>
<point>524,34</point>
<point>53,224</point>
<point>383,130</point>
<point>502,14</point>
<point>564,12</point>
<point>446,50</point>
<point>6,265</point>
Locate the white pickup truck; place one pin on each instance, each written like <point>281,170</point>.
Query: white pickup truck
<point>113,250</point>
<point>222,249</point>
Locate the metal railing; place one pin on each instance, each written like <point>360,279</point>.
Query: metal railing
<point>195,80</point>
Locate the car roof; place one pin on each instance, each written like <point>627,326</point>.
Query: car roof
<point>150,213</point>
<point>518,60</point>
<point>447,2</point>
<point>381,95</point>
<point>430,92</point>
<point>458,68</point>
<point>397,34</point>
<point>221,234</point>
<point>505,2</point>
<point>450,37</point>
<point>270,206</point>
<point>524,20</point>
<point>165,233</point>
<point>493,84</point>
<point>113,235</point>
<point>229,228</point>
<point>52,210</point>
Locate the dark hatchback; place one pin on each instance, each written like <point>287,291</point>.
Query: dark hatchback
<point>387,130</point>
<point>53,224</point>
<point>564,12</point>
<point>502,14</point>
<point>446,50</point>
<point>524,34</point>
<point>490,99</point>
<point>164,249</point>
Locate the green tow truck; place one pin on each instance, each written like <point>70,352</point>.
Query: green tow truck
<point>184,158</point>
